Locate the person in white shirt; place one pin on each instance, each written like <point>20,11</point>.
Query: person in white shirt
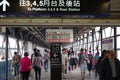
<point>64,62</point>
<point>73,60</point>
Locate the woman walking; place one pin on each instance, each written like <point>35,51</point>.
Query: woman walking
<point>89,62</point>
<point>36,64</point>
<point>25,64</point>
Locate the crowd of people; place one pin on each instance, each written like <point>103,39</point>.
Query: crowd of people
<point>24,65</point>
<point>106,66</point>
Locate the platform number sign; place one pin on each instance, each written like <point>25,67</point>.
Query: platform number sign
<point>55,8</point>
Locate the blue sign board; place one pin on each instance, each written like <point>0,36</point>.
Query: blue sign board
<point>55,8</point>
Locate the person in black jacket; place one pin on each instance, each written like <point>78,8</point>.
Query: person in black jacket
<point>110,69</point>
<point>104,55</point>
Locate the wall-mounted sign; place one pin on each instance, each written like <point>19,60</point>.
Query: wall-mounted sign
<point>55,8</point>
<point>107,44</point>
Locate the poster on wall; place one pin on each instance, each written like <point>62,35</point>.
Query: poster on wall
<point>107,44</point>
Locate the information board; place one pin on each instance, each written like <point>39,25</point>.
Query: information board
<point>107,44</point>
<point>55,8</point>
<point>59,35</point>
<point>55,60</point>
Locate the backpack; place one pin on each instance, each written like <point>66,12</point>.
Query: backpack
<point>79,58</point>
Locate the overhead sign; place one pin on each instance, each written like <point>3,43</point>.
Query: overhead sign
<point>4,3</point>
<point>55,8</point>
<point>59,35</point>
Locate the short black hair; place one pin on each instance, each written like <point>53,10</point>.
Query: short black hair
<point>15,52</point>
<point>45,50</point>
<point>34,49</point>
<point>103,53</point>
<point>82,49</point>
<point>26,54</point>
<point>72,52</point>
<point>64,49</point>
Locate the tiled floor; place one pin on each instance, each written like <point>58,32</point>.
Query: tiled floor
<point>71,75</point>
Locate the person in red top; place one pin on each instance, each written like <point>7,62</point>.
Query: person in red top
<point>25,64</point>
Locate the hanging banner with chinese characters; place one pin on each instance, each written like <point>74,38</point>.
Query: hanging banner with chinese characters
<point>55,8</point>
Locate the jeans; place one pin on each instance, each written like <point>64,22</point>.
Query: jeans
<point>37,72</point>
<point>46,65</point>
<point>16,69</point>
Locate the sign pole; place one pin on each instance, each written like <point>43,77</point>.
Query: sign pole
<point>6,53</point>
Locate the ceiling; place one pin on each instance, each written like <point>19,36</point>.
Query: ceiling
<point>34,29</point>
<point>37,34</point>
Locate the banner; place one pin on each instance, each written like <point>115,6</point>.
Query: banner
<point>107,44</point>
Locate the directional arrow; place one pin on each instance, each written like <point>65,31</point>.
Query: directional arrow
<point>4,3</point>
<point>55,55</point>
